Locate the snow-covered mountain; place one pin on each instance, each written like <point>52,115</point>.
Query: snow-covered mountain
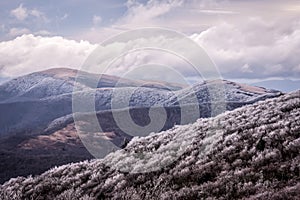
<point>28,104</point>
<point>252,152</point>
<point>209,91</point>
<point>36,113</point>
<point>61,81</point>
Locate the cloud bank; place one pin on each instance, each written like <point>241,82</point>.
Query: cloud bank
<point>254,50</point>
<point>242,39</point>
<point>29,53</point>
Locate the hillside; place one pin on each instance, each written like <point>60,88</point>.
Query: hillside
<point>29,103</point>
<point>57,81</point>
<point>250,153</point>
<point>37,122</point>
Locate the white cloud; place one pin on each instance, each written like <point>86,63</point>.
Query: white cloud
<point>138,14</point>
<point>43,33</point>
<point>13,32</point>
<point>151,49</point>
<point>254,49</point>
<point>38,14</point>
<point>96,20</point>
<point>188,16</point>
<point>224,12</point>
<point>242,39</point>
<point>257,49</point>
<point>29,53</point>
<point>20,12</point>
<point>65,16</point>
<point>246,68</point>
<point>147,14</point>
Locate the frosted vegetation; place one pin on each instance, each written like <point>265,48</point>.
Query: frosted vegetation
<point>251,153</point>
<point>50,92</point>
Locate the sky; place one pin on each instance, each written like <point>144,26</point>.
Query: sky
<point>252,41</point>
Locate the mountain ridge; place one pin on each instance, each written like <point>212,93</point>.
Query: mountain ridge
<point>40,93</point>
<point>250,153</point>
<point>29,126</point>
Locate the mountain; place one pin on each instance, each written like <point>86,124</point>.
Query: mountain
<point>37,123</point>
<point>59,81</point>
<point>30,103</point>
<point>210,91</point>
<point>249,153</point>
<point>3,79</point>
<point>284,85</point>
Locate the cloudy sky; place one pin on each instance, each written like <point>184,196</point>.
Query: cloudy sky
<point>248,40</point>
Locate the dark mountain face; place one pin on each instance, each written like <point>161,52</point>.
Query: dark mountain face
<point>249,153</point>
<point>37,123</point>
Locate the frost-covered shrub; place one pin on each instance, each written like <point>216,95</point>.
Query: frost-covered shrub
<point>250,153</point>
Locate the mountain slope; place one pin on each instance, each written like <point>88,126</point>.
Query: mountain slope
<point>250,153</point>
<point>30,103</point>
<point>58,81</point>
<point>36,109</point>
<point>213,90</point>
<point>284,85</point>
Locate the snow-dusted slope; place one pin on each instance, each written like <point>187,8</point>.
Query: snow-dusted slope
<point>59,81</point>
<point>227,91</point>
<point>250,153</point>
<point>28,104</point>
<point>38,85</point>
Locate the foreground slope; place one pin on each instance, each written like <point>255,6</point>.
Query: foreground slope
<point>250,153</point>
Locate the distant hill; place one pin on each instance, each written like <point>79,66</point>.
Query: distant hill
<point>37,122</point>
<point>249,153</point>
<point>282,85</point>
<point>3,79</point>
<point>29,103</point>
